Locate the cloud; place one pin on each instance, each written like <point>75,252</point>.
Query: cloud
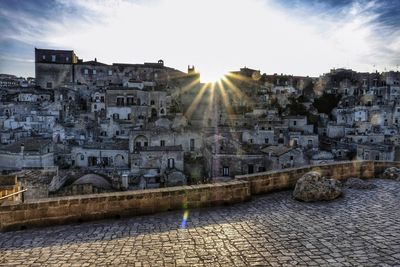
<point>297,36</point>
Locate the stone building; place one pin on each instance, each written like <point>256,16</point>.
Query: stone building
<point>375,152</point>
<point>285,157</point>
<point>161,164</point>
<point>106,155</point>
<point>27,153</point>
<point>136,105</point>
<point>56,68</point>
<point>226,157</point>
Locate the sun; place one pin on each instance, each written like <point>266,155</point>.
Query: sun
<point>211,76</point>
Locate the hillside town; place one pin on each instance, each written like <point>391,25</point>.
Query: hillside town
<point>82,127</point>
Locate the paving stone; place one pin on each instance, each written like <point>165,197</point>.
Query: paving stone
<point>360,229</point>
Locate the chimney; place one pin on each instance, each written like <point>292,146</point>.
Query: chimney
<point>95,59</point>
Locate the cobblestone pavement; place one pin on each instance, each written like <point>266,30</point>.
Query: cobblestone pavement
<point>360,229</point>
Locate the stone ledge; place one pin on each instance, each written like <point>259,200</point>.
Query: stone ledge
<point>61,210</point>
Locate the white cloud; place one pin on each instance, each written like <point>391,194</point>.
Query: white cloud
<point>219,36</point>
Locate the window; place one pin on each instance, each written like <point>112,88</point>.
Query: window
<point>291,157</point>
<point>66,59</point>
<point>162,142</point>
<point>43,57</point>
<point>120,101</point>
<point>86,71</point>
<point>266,140</point>
<point>171,163</point>
<point>250,168</point>
<point>95,107</point>
<point>138,144</point>
<point>146,144</point>
<point>251,141</point>
<point>102,98</point>
<point>82,157</point>
<point>191,144</point>
<point>129,100</point>
<point>225,171</point>
<point>109,72</point>
<point>261,169</point>
<point>152,102</point>
<point>116,132</point>
<point>49,85</point>
<point>310,142</point>
<point>53,58</point>
<point>294,123</point>
<point>115,116</point>
<point>94,72</point>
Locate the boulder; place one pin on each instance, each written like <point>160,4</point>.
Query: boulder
<point>313,186</point>
<point>357,183</point>
<point>392,173</point>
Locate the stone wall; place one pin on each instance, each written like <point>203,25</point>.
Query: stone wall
<point>114,205</point>
<point>265,182</point>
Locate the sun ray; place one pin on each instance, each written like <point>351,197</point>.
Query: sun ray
<point>237,92</point>
<point>195,103</point>
<point>225,101</point>
<point>241,78</point>
<point>210,107</point>
<point>186,88</point>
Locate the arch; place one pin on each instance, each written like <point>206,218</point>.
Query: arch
<point>140,141</point>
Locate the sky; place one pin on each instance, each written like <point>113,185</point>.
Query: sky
<point>299,37</point>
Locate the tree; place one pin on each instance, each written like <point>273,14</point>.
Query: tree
<point>327,102</point>
<point>296,108</point>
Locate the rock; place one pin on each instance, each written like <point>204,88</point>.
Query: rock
<point>314,187</point>
<point>392,173</point>
<point>357,183</point>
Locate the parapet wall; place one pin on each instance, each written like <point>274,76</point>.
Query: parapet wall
<point>265,182</point>
<point>61,210</point>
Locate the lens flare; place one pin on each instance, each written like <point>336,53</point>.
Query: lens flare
<point>184,219</point>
